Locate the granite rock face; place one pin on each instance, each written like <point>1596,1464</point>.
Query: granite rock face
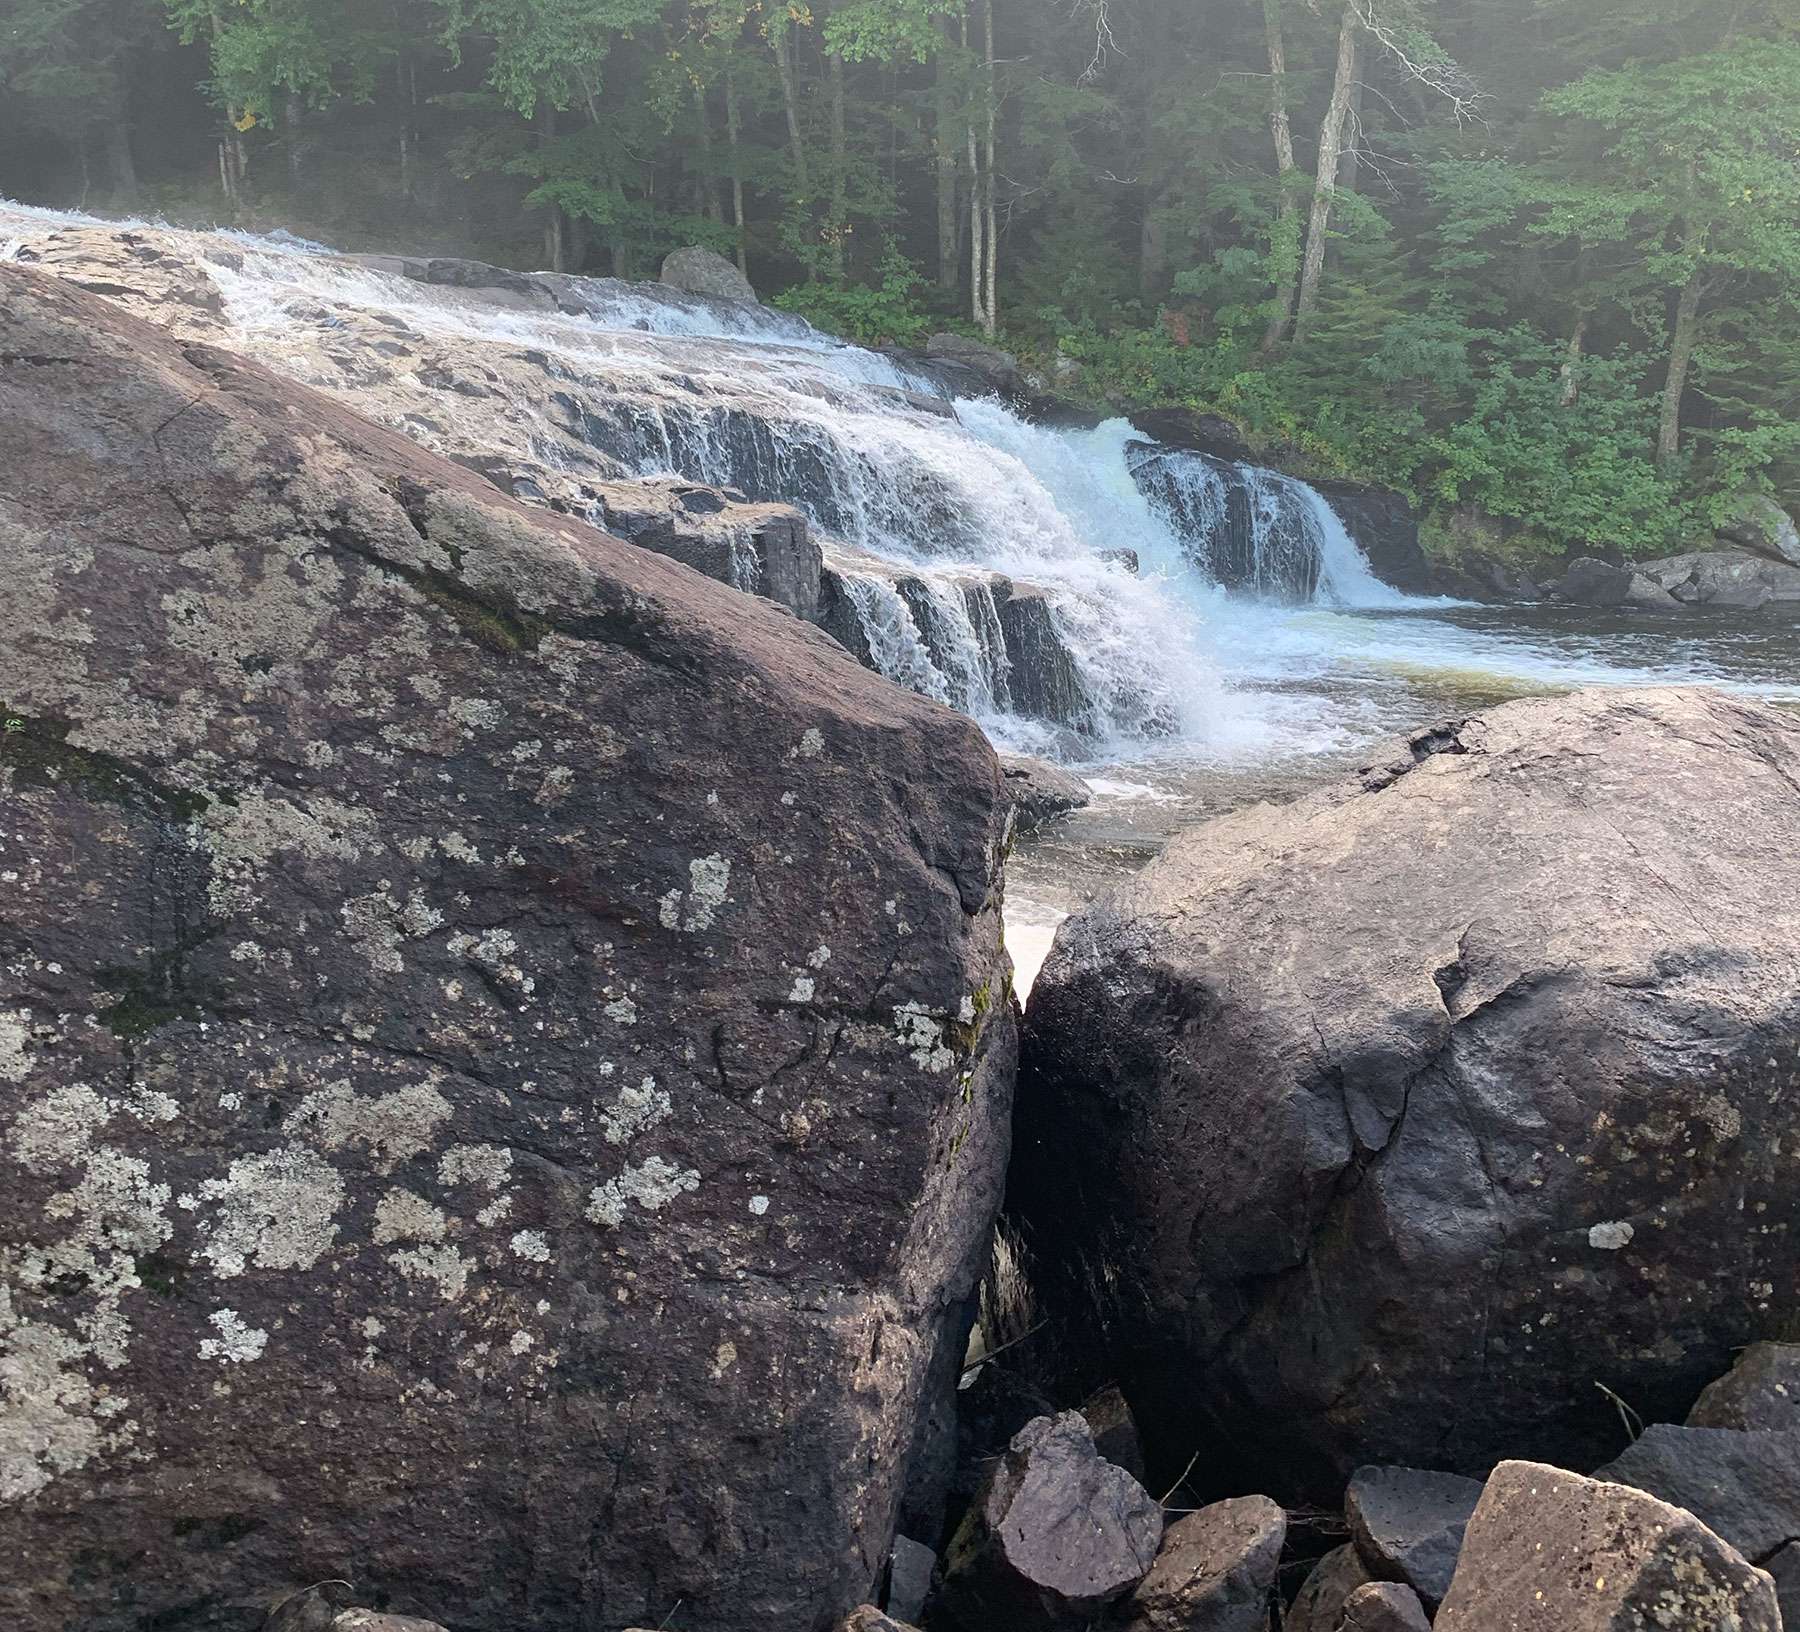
<point>504,1051</point>
<point>1530,1136</point>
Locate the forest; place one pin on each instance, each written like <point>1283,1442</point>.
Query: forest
<point>1533,262</point>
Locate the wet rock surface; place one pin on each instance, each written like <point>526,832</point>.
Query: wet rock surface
<point>1549,1551</point>
<point>1040,791</point>
<point>1055,1537</point>
<point>1407,1525</point>
<point>448,1139</point>
<point>1459,1154</point>
<point>1215,1571</point>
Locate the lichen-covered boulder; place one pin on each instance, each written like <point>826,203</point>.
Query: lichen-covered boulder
<point>504,1042</point>
<point>1405,1113</point>
<point>1549,1551</point>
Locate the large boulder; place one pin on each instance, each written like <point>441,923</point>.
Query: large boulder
<point>994,368</point>
<point>1601,584</point>
<point>1386,528</point>
<point>1738,580</point>
<point>700,271</point>
<point>503,1080</point>
<point>1758,523</point>
<point>1549,1551</point>
<point>1480,1065</point>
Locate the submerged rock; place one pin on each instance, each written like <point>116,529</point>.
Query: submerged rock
<point>1549,1551</point>
<point>446,1136</point>
<point>1530,1135</point>
<point>1055,1537</point>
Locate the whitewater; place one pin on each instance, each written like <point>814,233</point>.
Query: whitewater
<point>930,505</point>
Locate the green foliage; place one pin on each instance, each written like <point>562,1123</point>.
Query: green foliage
<point>884,313</point>
<point>1498,310</point>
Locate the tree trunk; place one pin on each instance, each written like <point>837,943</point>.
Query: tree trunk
<point>293,115</point>
<point>1350,163</point>
<point>790,99</point>
<point>117,132</point>
<point>1286,246</point>
<point>1153,259</point>
<point>948,235</point>
<point>1571,368</point>
<point>1331,144</point>
<point>839,227</point>
<point>990,320</point>
<point>732,125</point>
<point>1681,356</point>
<point>709,181</point>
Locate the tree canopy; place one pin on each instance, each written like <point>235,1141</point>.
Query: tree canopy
<point>1535,261</point>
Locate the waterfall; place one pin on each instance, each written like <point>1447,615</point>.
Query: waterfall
<point>979,555</point>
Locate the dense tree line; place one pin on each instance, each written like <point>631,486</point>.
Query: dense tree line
<point>1537,260</point>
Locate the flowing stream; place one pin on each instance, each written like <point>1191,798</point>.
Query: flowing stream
<point>1249,651</point>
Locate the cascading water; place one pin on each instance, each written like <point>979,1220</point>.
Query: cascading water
<point>982,559</point>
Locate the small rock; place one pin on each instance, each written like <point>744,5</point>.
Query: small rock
<point>1056,1536</point>
<point>1761,1391</point>
<point>909,1578</point>
<point>1040,792</point>
<point>1385,1606</point>
<point>1550,1551</point>
<point>1114,1427</point>
<point>1746,1486</point>
<point>1320,1603</point>
<point>867,1618</point>
<point>703,272</point>
<point>1215,1571</point>
<point>1408,1525</point>
<point>367,1620</point>
<point>1123,557</point>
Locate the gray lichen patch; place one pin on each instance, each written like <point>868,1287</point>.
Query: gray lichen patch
<point>394,1126</point>
<point>274,1211</point>
<point>651,1185</point>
